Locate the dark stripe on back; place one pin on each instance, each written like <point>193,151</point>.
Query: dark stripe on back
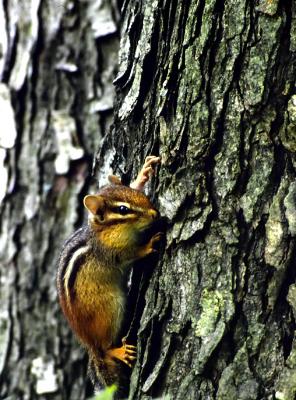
<point>72,278</point>
<point>77,240</point>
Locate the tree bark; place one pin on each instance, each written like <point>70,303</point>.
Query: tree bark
<point>57,63</point>
<point>210,87</point>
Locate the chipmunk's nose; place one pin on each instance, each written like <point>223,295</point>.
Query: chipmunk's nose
<point>153,213</point>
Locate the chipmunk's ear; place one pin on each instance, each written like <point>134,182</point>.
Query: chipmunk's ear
<point>95,204</point>
<point>114,180</point>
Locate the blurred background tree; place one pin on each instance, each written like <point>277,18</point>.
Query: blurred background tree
<point>57,64</point>
<point>208,85</point>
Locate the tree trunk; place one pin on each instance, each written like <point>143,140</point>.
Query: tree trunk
<point>210,87</point>
<point>57,63</point>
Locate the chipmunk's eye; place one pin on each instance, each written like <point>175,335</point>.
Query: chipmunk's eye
<point>122,210</point>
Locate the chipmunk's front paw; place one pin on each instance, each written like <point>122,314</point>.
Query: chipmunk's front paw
<point>155,241</point>
<point>147,170</point>
<point>151,247</point>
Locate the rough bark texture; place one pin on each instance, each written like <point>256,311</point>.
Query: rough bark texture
<point>210,86</point>
<point>57,63</point>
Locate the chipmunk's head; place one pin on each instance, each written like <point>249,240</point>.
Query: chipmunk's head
<point>122,218</point>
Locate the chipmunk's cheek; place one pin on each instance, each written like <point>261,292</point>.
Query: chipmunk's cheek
<point>117,238</point>
<point>145,233</point>
<point>127,237</point>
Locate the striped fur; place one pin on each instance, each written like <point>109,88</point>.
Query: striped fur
<point>75,263</point>
<point>75,242</point>
<point>92,272</point>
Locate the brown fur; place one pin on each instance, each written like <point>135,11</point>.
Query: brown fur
<point>96,306</point>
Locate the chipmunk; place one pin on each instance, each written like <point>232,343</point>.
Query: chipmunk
<point>93,266</point>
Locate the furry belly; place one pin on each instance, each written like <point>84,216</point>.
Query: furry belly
<point>98,311</point>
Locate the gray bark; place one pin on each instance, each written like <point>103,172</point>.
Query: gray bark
<point>57,63</point>
<point>210,86</point>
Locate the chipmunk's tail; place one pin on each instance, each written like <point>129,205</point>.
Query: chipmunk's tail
<point>104,372</point>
